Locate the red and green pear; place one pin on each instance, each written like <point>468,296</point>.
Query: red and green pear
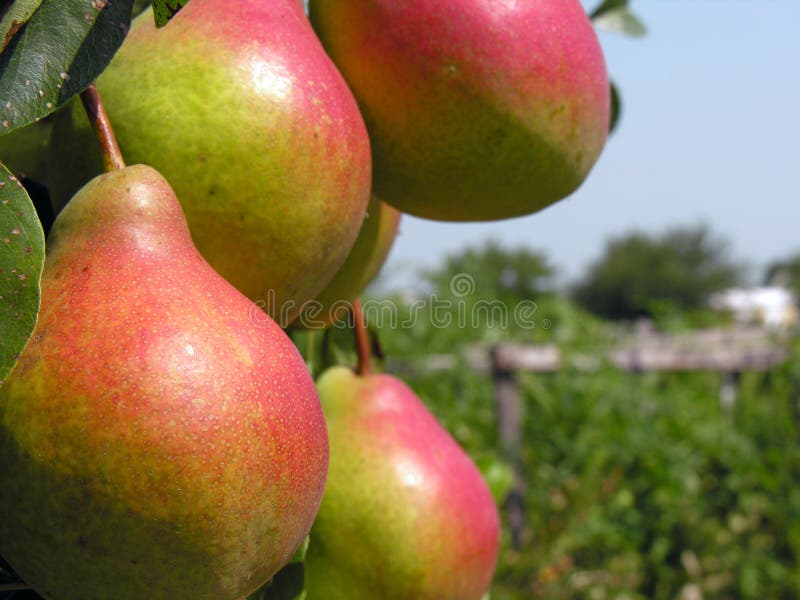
<point>405,514</point>
<point>239,107</point>
<point>477,109</point>
<point>372,247</point>
<point>160,436</point>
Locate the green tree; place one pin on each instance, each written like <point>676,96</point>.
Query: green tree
<point>496,272</point>
<point>638,273</point>
<point>785,272</point>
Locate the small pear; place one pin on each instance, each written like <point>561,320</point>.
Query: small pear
<point>372,247</point>
<point>240,108</point>
<point>160,436</point>
<point>476,110</point>
<point>406,514</point>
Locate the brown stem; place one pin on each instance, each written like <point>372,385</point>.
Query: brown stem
<point>362,340</point>
<point>112,157</point>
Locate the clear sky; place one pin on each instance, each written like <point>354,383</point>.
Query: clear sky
<point>710,133</point>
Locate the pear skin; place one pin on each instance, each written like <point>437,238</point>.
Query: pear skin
<point>476,110</point>
<point>160,436</point>
<point>372,247</point>
<point>406,514</point>
<point>256,131</point>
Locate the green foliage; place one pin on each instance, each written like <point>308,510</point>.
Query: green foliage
<point>21,264</point>
<point>164,10</point>
<point>496,273</point>
<point>61,49</point>
<point>785,272</point>
<point>616,108</point>
<point>645,486</point>
<point>682,267</point>
<point>488,291</point>
<point>13,17</point>
<point>638,486</point>
<point>139,6</point>
<point>616,16</point>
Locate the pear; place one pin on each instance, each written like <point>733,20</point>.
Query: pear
<point>476,110</point>
<point>372,247</point>
<point>160,436</point>
<point>406,514</point>
<point>255,129</point>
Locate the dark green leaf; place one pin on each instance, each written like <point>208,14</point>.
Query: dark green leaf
<point>12,21</point>
<point>620,20</point>
<point>57,54</point>
<point>139,6</point>
<point>288,584</point>
<point>616,108</point>
<point>164,10</point>
<point>606,6</point>
<point>21,263</point>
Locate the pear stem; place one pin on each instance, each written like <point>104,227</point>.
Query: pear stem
<point>112,156</point>
<point>362,339</point>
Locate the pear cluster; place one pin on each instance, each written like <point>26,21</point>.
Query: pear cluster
<point>161,437</point>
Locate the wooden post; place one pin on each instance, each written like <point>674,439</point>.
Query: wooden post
<point>728,389</point>
<point>509,426</point>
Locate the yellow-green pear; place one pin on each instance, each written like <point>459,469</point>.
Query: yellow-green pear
<point>406,514</point>
<point>240,108</point>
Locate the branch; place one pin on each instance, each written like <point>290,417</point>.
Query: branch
<point>362,340</point>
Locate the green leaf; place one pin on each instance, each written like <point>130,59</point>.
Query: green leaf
<point>164,10</point>
<point>300,555</point>
<point>21,263</point>
<point>57,54</point>
<point>606,6</point>
<point>498,475</point>
<point>139,6</point>
<point>616,108</point>
<point>15,17</point>
<point>620,20</point>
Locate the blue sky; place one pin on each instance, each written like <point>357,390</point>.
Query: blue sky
<point>710,133</point>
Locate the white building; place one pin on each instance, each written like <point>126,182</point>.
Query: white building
<point>772,306</point>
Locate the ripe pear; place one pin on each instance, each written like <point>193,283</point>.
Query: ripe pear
<point>255,129</point>
<point>476,110</point>
<point>406,514</point>
<point>372,247</point>
<point>160,437</point>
